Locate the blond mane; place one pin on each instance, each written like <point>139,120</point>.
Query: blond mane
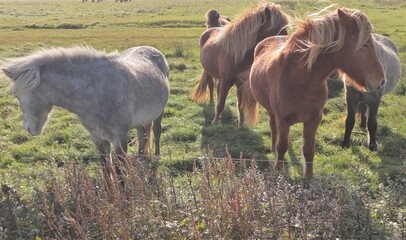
<point>326,35</point>
<point>241,35</point>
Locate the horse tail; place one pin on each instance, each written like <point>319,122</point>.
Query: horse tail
<point>249,105</point>
<point>147,146</point>
<point>200,92</point>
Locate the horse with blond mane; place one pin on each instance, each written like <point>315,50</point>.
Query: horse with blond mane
<point>228,51</point>
<point>289,74</point>
<point>213,19</point>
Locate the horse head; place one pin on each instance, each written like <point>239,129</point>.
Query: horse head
<point>274,22</point>
<point>35,113</point>
<point>35,110</point>
<point>357,58</point>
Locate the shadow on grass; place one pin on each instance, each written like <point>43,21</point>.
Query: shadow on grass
<point>295,161</point>
<point>228,136</point>
<point>391,151</point>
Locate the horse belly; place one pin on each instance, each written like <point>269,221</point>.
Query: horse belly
<point>145,115</point>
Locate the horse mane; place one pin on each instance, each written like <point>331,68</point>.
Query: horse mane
<point>25,71</point>
<point>325,34</point>
<point>240,35</point>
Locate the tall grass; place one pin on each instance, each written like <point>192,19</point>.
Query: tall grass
<point>222,199</point>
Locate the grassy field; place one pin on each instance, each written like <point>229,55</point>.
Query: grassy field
<point>174,28</point>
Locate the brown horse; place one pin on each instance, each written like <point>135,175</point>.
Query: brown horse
<point>214,19</point>
<point>288,75</point>
<point>228,51</point>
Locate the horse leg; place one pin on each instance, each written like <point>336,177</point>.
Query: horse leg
<point>282,143</point>
<point>103,146</point>
<point>309,140</point>
<point>210,83</point>
<point>274,135</point>
<point>223,87</point>
<point>240,90</point>
<point>362,109</point>
<point>157,128</point>
<point>120,149</point>
<point>349,122</point>
<point>373,125</point>
<point>143,138</point>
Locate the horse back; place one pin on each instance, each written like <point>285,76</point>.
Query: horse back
<point>270,45</point>
<point>147,54</point>
<point>210,33</point>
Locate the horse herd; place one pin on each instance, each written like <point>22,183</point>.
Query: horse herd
<point>286,74</point>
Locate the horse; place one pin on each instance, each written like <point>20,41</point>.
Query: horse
<point>110,93</point>
<point>228,51</point>
<point>367,103</point>
<point>289,74</point>
<point>214,19</point>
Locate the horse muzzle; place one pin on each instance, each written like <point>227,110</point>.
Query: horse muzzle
<point>375,87</point>
<point>31,131</point>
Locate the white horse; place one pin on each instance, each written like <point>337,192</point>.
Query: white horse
<point>111,93</point>
<point>367,103</point>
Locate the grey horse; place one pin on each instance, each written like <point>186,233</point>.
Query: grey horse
<point>367,103</point>
<point>110,93</point>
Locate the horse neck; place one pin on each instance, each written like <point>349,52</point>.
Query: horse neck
<point>60,92</point>
<point>322,67</point>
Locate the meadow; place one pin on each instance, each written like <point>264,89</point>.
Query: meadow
<point>174,28</point>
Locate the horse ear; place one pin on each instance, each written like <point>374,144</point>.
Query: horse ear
<point>267,13</point>
<point>347,21</point>
<point>343,17</point>
<point>7,72</point>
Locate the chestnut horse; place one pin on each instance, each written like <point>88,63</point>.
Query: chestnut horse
<point>289,75</point>
<point>367,103</point>
<point>213,19</point>
<point>228,51</point>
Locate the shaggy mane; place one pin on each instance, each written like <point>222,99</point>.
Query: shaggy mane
<point>240,35</point>
<point>326,35</point>
<point>25,71</point>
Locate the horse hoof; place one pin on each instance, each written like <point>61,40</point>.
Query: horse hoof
<point>215,122</point>
<point>279,166</point>
<point>345,144</point>
<point>373,147</point>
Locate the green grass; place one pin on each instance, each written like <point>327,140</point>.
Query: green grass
<point>174,27</point>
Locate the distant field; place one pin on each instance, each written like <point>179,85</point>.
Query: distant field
<point>174,27</point>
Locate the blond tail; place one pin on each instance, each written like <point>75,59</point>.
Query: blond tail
<point>249,105</point>
<point>148,139</point>
<point>201,91</point>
